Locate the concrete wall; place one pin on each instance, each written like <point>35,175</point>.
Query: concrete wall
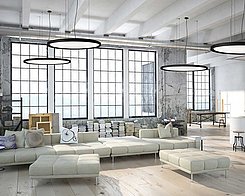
<point>171,86</point>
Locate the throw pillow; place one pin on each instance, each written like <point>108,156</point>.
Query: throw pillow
<point>9,142</point>
<point>69,136</point>
<point>169,128</point>
<point>34,138</point>
<point>20,137</point>
<point>163,132</point>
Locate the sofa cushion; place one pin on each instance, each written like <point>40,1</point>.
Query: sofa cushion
<point>164,132</point>
<point>81,148</point>
<point>69,136</point>
<point>34,138</point>
<point>55,138</point>
<point>47,139</point>
<point>134,147</point>
<point>41,168</point>
<point>62,149</point>
<point>20,137</point>
<point>100,149</point>
<point>44,150</point>
<point>117,148</point>
<point>25,155</point>
<point>194,164</point>
<point>7,156</point>
<point>88,164</point>
<point>90,137</point>
<point>163,144</point>
<point>60,166</point>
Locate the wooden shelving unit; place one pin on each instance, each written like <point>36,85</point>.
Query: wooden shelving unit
<point>41,121</point>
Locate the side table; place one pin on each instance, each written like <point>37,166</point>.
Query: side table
<point>240,139</point>
<point>198,138</point>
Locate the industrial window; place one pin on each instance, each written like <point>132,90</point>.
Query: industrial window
<point>142,83</point>
<point>71,84</point>
<point>108,83</point>
<point>29,81</point>
<point>198,90</point>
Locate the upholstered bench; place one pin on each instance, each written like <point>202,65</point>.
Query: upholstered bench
<point>194,161</point>
<point>65,166</point>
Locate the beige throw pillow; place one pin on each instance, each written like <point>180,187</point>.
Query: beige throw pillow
<point>34,138</point>
<point>20,137</point>
<point>163,132</point>
<point>169,127</point>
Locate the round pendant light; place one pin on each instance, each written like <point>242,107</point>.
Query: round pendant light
<point>232,48</point>
<point>183,67</point>
<point>74,43</point>
<point>47,61</point>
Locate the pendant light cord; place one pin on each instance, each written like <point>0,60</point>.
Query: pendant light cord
<point>186,31</point>
<point>49,24</point>
<point>243,14</point>
<point>75,19</point>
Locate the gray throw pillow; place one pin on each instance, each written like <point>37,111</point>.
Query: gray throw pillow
<point>20,137</point>
<point>8,141</point>
<point>34,138</point>
<point>163,132</point>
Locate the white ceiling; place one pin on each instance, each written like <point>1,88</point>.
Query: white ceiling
<point>130,19</point>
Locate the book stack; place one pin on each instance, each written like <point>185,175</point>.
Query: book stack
<point>96,127</point>
<point>102,128</point>
<point>121,128</point>
<point>108,130</point>
<point>82,128</point>
<point>129,128</point>
<point>90,126</point>
<point>137,127</point>
<point>114,126</point>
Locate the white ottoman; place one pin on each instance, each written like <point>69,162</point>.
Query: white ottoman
<point>65,166</point>
<point>193,161</point>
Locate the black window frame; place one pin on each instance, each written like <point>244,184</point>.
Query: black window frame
<point>155,82</point>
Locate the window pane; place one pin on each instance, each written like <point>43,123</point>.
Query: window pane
<point>105,87</point>
<point>71,85</point>
<point>142,83</point>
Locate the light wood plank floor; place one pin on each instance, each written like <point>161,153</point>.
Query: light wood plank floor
<point>140,175</point>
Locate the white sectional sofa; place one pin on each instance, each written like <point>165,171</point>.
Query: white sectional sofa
<point>129,145</point>
<point>170,143</point>
<point>89,143</point>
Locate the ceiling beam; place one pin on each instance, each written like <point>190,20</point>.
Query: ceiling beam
<point>119,16</point>
<point>26,10</point>
<point>166,16</point>
<point>68,22</point>
<point>212,18</point>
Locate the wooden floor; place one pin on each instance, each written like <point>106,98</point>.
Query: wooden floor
<point>140,175</point>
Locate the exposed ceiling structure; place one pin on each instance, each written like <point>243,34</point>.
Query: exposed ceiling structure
<point>152,21</point>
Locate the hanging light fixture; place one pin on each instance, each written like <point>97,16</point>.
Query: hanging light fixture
<point>74,43</point>
<point>47,60</point>
<point>183,67</point>
<point>232,48</point>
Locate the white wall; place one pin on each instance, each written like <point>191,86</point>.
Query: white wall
<point>230,86</point>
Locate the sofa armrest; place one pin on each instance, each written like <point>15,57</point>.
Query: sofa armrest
<point>148,133</point>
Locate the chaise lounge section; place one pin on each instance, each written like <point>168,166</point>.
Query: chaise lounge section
<point>168,143</point>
